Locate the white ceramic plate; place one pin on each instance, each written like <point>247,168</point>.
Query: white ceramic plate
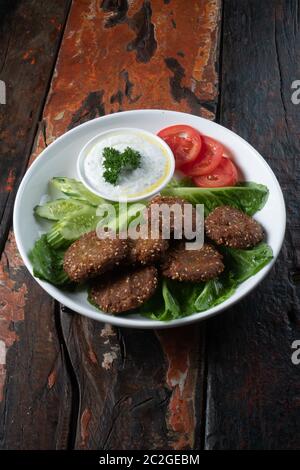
<point>59,159</point>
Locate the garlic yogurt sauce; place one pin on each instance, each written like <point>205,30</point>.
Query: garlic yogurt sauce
<point>156,168</point>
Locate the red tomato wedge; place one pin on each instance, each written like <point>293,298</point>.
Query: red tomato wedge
<point>184,141</point>
<point>227,154</point>
<point>224,175</point>
<point>208,159</point>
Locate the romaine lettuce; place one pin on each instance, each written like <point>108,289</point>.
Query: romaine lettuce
<point>47,262</point>
<point>249,197</point>
<point>175,300</point>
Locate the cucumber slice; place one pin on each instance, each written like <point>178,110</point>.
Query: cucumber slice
<point>76,190</point>
<point>70,228</point>
<point>56,210</point>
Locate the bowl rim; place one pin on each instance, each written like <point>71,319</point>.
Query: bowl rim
<point>82,156</point>
<point>120,321</point>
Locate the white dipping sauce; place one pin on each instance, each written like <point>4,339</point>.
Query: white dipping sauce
<point>153,170</point>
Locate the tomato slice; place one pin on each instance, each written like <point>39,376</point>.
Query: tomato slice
<point>227,154</point>
<point>184,141</point>
<point>224,175</point>
<point>208,159</point>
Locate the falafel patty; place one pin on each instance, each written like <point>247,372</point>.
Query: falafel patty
<point>175,222</point>
<point>147,250</point>
<point>192,265</point>
<point>90,256</point>
<point>120,292</point>
<point>231,227</point>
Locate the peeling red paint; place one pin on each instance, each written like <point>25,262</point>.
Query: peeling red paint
<point>179,347</point>
<point>14,260</point>
<point>84,426</point>
<point>92,356</point>
<point>204,70</point>
<point>12,300</point>
<point>52,378</point>
<point>138,84</point>
<point>10,181</point>
<point>28,55</point>
<point>39,146</point>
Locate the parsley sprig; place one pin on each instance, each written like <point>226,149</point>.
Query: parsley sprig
<point>114,162</point>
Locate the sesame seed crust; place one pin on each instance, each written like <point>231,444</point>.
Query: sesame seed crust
<point>192,265</point>
<point>170,201</point>
<point>146,251</point>
<point>90,256</point>
<point>119,292</point>
<point>231,227</point>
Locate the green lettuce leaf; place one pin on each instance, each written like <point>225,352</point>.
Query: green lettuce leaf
<point>165,305</point>
<point>245,263</point>
<point>215,292</point>
<point>48,262</point>
<point>249,197</point>
<point>175,299</point>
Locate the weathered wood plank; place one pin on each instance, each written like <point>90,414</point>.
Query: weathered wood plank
<point>129,55</point>
<point>35,389</point>
<point>137,388</point>
<point>29,35</point>
<point>253,387</point>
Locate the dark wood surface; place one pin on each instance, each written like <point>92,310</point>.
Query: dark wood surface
<point>69,382</point>
<point>35,392</point>
<point>254,388</point>
<point>30,35</point>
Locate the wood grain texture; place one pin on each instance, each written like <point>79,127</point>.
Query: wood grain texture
<point>128,55</point>
<point>253,387</point>
<point>35,391</point>
<point>137,389</point>
<point>29,35</point>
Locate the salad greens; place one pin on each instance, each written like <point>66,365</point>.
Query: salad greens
<point>77,215</point>
<point>246,263</point>
<point>48,262</point>
<point>175,300</point>
<point>249,197</point>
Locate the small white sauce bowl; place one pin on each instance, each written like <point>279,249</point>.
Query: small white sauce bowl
<point>100,191</point>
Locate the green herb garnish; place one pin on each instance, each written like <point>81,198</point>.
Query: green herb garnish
<point>114,162</point>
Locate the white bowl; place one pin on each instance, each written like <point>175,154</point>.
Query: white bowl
<point>100,191</point>
<point>59,159</point>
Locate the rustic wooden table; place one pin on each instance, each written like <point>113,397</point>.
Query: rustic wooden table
<point>227,383</point>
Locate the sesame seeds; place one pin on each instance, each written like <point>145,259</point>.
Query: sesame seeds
<point>134,279</point>
<point>147,251</point>
<point>231,227</point>
<point>124,291</point>
<point>192,265</point>
<point>90,256</point>
<point>176,220</point>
